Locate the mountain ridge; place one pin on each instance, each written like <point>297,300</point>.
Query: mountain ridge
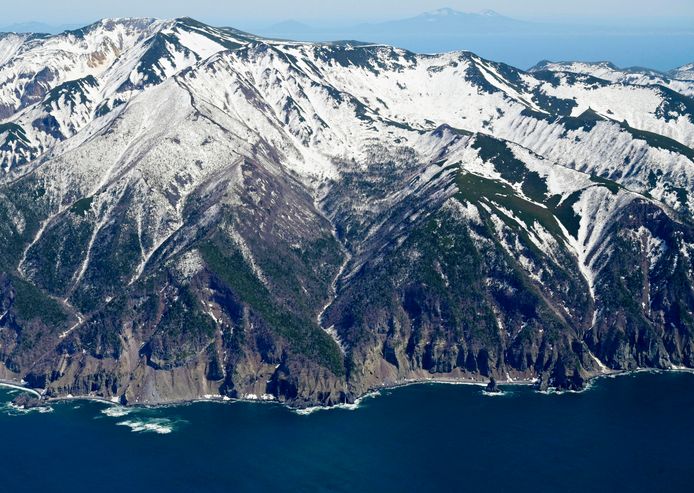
<point>199,211</point>
<point>679,79</point>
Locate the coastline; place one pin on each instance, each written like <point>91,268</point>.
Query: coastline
<point>371,393</point>
<point>19,386</point>
<point>418,438</point>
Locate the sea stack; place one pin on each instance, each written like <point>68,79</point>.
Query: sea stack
<point>27,401</point>
<point>492,387</point>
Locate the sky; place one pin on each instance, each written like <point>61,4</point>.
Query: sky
<point>247,12</point>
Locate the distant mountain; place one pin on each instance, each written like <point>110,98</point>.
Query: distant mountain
<point>502,38</point>
<point>37,27</point>
<point>443,22</point>
<point>449,22</point>
<point>196,212</point>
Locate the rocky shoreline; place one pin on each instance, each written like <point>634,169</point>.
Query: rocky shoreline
<point>491,386</point>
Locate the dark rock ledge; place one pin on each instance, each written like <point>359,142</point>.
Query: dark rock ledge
<point>28,401</point>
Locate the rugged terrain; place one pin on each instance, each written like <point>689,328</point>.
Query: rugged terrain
<point>193,211</point>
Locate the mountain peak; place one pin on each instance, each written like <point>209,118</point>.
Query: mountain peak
<point>111,23</point>
<point>449,12</point>
<point>443,12</point>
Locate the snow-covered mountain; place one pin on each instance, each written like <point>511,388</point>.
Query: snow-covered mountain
<point>680,79</point>
<point>685,72</point>
<point>200,211</point>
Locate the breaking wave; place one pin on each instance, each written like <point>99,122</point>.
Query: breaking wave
<point>12,410</point>
<point>161,426</point>
<point>116,411</point>
<point>349,407</point>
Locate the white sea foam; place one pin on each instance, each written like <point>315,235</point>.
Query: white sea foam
<point>310,410</point>
<point>161,426</point>
<point>554,391</point>
<point>495,394</point>
<point>255,397</point>
<point>349,407</point>
<point>12,410</point>
<point>116,411</point>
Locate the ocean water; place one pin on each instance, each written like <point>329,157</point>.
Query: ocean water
<point>632,433</point>
<point>658,51</point>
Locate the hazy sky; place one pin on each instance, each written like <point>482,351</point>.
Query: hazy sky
<point>242,12</point>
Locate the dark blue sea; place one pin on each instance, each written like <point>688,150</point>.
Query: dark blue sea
<point>632,433</point>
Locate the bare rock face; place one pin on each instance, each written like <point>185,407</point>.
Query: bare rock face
<point>255,219</point>
<point>543,383</point>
